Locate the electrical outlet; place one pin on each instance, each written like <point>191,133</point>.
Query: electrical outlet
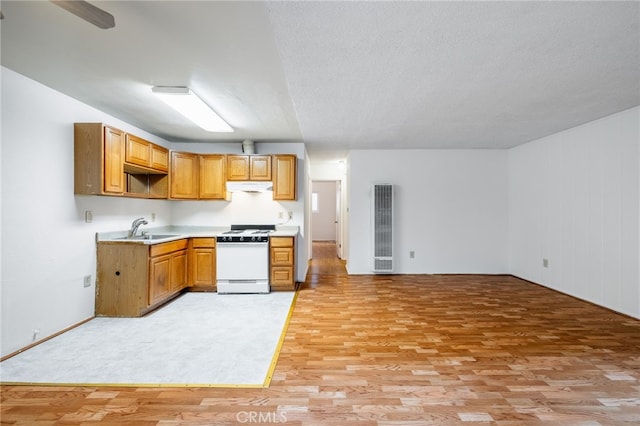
<point>88,216</point>
<point>153,217</point>
<point>545,263</point>
<point>87,280</point>
<point>290,215</point>
<point>412,254</point>
<point>280,215</point>
<point>36,333</point>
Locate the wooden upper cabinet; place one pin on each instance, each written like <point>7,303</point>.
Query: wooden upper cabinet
<point>260,167</point>
<point>237,167</point>
<point>146,154</point>
<point>108,161</point>
<point>197,177</point>
<point>113,164</point>
<point>98,159</point>
<point>138,151</point>
<point>184,176</point>
<point>212,177</point>
<point>249,167</point>
<point>159,158</point>
<point>284,177</point>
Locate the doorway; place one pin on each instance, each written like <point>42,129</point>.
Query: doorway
<point>325,210</point>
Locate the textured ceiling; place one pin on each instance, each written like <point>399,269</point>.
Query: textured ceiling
<point>343,75</point>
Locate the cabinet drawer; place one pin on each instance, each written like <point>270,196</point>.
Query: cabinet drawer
<point>164,248</point>
<point>281,241</point>
<point>282,256</point>
<point>203,242</point>
<point>281,275</point>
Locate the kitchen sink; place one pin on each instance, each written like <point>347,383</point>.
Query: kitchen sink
<point>148,237</point>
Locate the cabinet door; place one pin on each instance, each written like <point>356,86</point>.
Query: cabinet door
<point>212,177</point>
<point>284,177</point>
<point>159,278</point>
<point>113,160</point>
<point>159,158</point>
<point>178,271</point>
<point>204,266</point>
<point>138,151</point>
<point>260,167</point>
<point>184,176</point>
<point>237,167</point>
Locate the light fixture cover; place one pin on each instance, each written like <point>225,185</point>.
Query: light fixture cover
<point>187,103</point>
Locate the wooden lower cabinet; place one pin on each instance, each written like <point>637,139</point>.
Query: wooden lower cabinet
<point>167,275</point>
<point>202,268</point>
<point>282,263</point>
<point>133,279</point>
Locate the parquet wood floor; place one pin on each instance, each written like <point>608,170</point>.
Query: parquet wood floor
<point>399,350</point>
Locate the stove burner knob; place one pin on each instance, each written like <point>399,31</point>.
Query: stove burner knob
<point>253,238</point>
<point>241,238</point>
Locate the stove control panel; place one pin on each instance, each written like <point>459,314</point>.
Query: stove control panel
<point>242,239</point>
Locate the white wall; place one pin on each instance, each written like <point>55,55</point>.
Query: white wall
<point>574,199</point>
<point>47,248</point>
<point>450,209</point>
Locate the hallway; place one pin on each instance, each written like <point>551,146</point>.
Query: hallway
<point>325,261</point>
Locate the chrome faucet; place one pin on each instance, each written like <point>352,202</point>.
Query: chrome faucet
<point>135,225</point>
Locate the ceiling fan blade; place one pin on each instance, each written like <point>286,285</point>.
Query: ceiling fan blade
<point>88,12</point>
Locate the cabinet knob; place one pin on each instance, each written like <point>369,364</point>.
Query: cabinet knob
<point>117,273</point>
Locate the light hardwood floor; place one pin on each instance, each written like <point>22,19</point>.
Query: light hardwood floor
<point>399,350</point>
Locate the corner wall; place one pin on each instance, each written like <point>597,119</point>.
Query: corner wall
<point>574,199</point>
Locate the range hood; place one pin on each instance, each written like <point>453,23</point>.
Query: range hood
<point>249,186</point>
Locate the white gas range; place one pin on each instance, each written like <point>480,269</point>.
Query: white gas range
<point>243,259</point>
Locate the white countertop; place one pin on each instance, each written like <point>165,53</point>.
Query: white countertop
<point>180,232</point>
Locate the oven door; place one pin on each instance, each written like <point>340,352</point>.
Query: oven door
<point>242,267</point>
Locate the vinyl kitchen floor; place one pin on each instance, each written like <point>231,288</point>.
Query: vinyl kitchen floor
<point>203,339</point>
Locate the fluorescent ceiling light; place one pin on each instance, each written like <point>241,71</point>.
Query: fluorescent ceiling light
<point>187,103</point>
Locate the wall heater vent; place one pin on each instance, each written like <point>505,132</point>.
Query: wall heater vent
<point>382,211</point>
